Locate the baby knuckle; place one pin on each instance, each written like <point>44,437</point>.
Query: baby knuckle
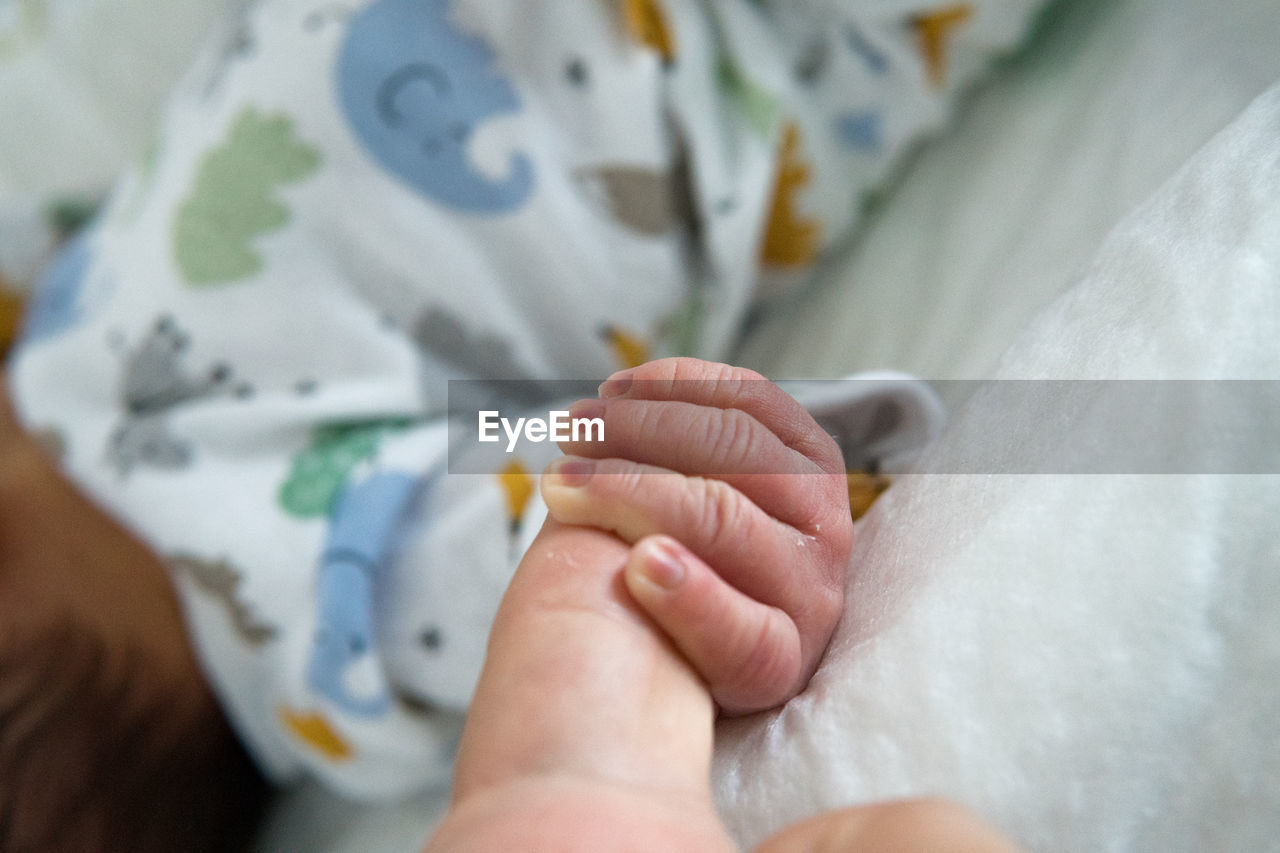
<point>626,482</point>
<point>720,515</point>
<point>767,668</point>
<point>651,420</point>
<point>685,368</point>
<point>732,436</point>
<point>737,383</point>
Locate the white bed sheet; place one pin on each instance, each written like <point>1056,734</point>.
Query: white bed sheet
<point>986,229</point>
<point>81,85</point>
<point>1000,216</point>
<point>1089,660</point>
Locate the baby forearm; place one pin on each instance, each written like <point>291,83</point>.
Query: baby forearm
<point>601,692</point>
<point>587,729</point>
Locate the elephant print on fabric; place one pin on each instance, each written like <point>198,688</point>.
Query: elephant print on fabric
<point>57,304</point>
<point>414,88</point>
<point>344,664</point>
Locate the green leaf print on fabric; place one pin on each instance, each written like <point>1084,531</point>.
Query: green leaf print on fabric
<point>321,470</point>
<point>758,104</point>
<point>231,202</point>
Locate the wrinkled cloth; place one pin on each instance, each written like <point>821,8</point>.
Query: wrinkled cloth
<point>246,356</point>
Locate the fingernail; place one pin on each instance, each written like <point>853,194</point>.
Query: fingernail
<point>586,410</point>
<point>571,471</point>
<point>616,385</point>
<point>664,565</point>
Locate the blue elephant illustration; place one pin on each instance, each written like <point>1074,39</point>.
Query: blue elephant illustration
<point>57,304</point>
<point>363,526</point>
<point>414,87</point>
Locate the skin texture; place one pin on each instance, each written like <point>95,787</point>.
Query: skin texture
<point>591,727</point>
<point>590,732</point>
<point>714,468</point>
<point>612,740</point>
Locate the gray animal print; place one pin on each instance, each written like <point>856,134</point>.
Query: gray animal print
<point>646,200</point>
<point>641,199</point>
<point>468,353</point>
<point>154,384</point>
<point>450,350</point>
<point>219,580</point>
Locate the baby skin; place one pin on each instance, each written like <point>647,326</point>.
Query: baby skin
<point>656,596</point>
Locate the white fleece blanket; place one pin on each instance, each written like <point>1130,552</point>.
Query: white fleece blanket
<point>1093,662</point>
<point>81,83</point>
<point>1090,661</point>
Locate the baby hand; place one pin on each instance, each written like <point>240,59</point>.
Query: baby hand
<point>736,503</point>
